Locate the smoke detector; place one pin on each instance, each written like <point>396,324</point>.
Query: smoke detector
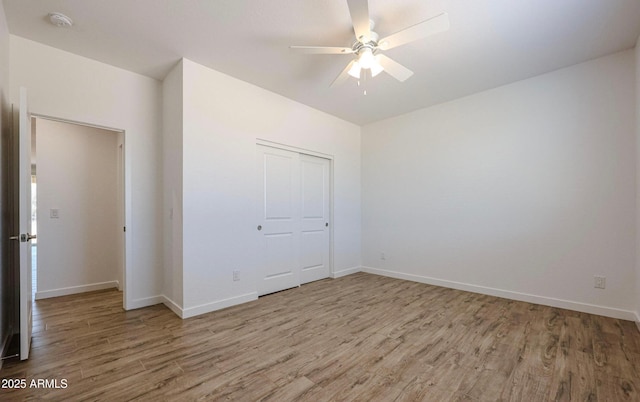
<point>60,20</point>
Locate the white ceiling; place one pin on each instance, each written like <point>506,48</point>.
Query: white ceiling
<point>490,43</point>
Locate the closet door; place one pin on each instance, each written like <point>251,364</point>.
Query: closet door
<point>314,211</point>
<point>279,223</point>
<point>293,224</point>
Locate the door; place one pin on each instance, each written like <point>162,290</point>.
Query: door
<point>294,207</point>
<point>23,238</point>
<point>314,236</point>
<point>279,223</point>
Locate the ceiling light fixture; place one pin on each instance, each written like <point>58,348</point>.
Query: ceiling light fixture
<point>366,60</point>
<point>368,47</point>
<point>60,20</point>
<point>354,71</point>
<point>376,68</point>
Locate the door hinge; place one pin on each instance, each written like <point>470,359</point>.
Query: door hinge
<point>124,228</point>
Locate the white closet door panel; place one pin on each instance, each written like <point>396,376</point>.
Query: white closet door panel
<point>279,226</point>
<point>315,200</point>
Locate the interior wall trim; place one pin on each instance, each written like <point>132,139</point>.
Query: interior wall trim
<point>291,148</point>
<point>145,302</point>
<point>345,272</point>
<point>45,294</point>
<point>78,123</point>
<point>218,305</point>
<point>173,306</point>
<point>508,294</point>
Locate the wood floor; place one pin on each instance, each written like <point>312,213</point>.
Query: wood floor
<point>361,337</point>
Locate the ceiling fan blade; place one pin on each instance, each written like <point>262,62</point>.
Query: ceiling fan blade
<point>321,49</point>
<point>394,69</point>
<point>343,75</point>
<point>433,25</point>
<point>359,10</point>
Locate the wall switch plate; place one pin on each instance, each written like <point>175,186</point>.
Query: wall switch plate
<point>599,282</point>
<point>54,213</point>
<point>236,276</point>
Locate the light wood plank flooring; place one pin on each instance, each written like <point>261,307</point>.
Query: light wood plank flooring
<point>361,337</point>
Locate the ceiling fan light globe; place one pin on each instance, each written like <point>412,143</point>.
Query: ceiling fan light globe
<point>354,71</point>
<point>376,68</point>
<point>366,58</point>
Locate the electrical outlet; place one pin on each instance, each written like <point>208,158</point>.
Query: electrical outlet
<point>599,282</point>
<point>382,256</point>
<point>236,276</point>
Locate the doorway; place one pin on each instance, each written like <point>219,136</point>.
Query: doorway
<point>78,174</point>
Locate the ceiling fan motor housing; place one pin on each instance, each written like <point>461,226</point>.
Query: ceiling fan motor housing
<point>370,43</point>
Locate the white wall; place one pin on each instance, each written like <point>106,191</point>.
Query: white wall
<point>6,283</point>
<point>523,191</point>
<point>77,174</point>
<point>223,118</point>
<point>75,88</point>
<point>172,111</point>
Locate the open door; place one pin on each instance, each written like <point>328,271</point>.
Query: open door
<point>23,130</point>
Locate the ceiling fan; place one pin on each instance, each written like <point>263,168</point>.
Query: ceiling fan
<point>368,46</point>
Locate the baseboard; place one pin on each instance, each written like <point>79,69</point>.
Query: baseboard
<point>145,302</point>
<point>345,272</point>
<point>637,321</point>
<point>173,306</point>
<point>218,305</point>
<point>507,294</point>
<point>45,294</point>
